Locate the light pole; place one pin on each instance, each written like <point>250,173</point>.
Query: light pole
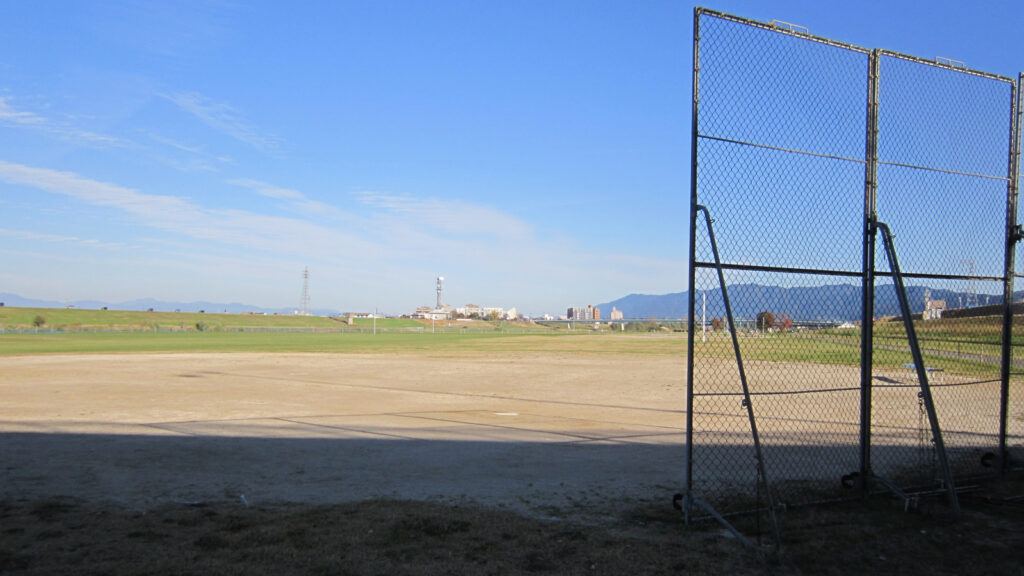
<point>704,316</point>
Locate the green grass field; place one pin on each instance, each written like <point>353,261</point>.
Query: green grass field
<point>890,350</point>
<point>76,331</point>
<point>967,346</point>
<point>455,342</point>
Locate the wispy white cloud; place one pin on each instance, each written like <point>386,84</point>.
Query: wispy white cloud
<point>9,115</point>
<point>56,238</point>
<point>451,217</point>
<point>188,158</point>
<point>178,145</point>
<point>157,208</point>
<point>64,130</point>
<point>293,199</point>
<point>225,119</point>
<point>238,228</point>
<point>399,227</point>
<point>269,190</point>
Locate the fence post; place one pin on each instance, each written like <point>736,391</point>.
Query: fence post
<point>867,325</point>
<point>691,303</point>
<point>1013,235</point>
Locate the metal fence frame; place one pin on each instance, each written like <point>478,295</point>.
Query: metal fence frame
<point>868,275</point>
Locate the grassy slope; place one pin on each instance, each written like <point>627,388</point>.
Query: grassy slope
<point>72,318</point>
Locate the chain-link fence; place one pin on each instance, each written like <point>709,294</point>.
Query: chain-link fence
<point>802,378</point>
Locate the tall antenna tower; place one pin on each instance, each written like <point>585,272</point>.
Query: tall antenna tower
<point>440,280</point>
<point>305,291</point>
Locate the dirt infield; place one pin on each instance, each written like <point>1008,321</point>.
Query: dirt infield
<point>546,434</point>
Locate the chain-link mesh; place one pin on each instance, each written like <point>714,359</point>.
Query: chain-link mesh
<point>943,151</point>
<point>784,160</point>
<point>962,355</point>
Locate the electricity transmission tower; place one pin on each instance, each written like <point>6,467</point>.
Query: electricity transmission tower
<point>972,288</point>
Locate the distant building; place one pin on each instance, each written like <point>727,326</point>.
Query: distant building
<point>428,313</point>
<point>491,311</point>
<point>615,315</point>
<point>588,313</point>
<point>483,313</point>
<point>933,309</point>
<point>358,315</point>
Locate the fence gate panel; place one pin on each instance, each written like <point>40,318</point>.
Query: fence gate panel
<point>799,143</point>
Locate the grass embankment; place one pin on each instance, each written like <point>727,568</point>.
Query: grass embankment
<point>81,320</point>
<point>71,319</point>
<point>946,334</point>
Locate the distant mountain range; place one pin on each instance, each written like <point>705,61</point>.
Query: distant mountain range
<point>147,303</point>
<point>837,302</point>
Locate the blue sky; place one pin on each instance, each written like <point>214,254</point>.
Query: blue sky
<point>535,153</point>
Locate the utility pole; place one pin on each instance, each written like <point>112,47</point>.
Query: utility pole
<point>305,291</point>
<point>704,316</point>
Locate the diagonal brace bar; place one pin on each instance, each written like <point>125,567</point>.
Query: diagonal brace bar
<point>747,403</point>
<point>922,372</point>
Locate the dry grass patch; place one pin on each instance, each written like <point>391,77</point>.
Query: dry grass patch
<point>399,537</point>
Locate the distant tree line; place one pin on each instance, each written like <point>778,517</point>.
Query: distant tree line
<point>763,322</point>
